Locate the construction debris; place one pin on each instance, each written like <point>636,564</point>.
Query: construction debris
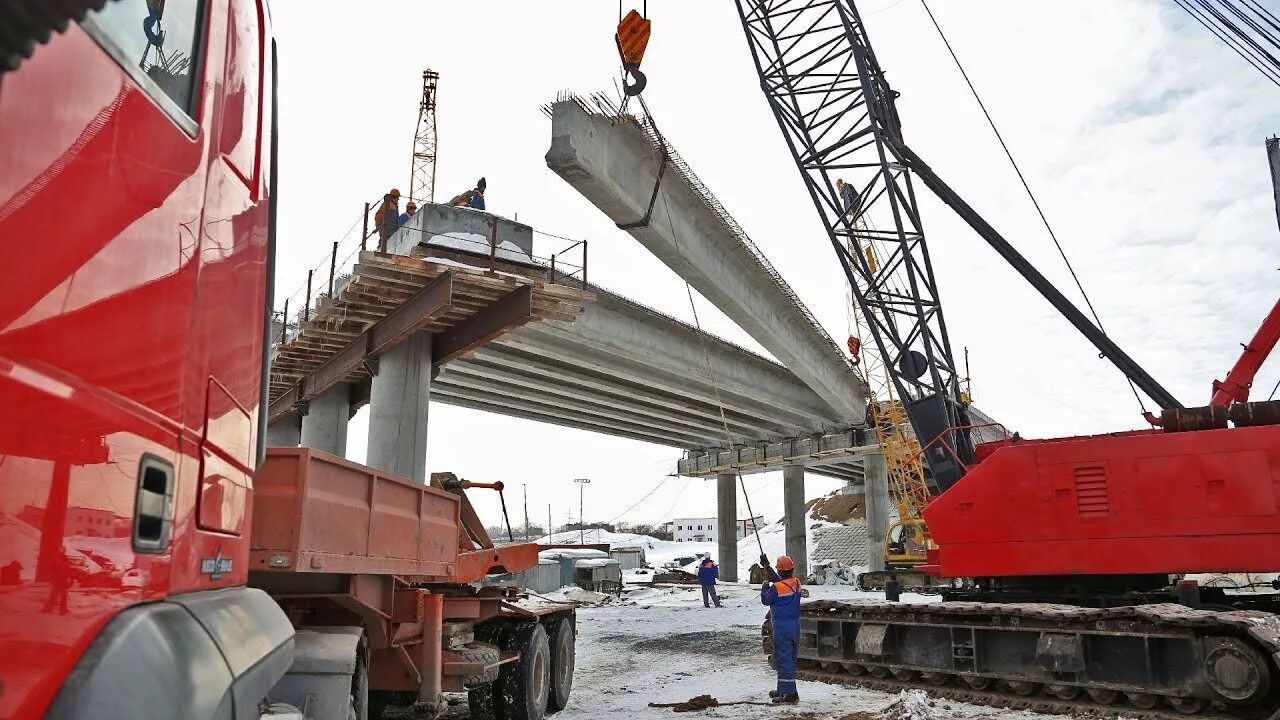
<point>702,702</point>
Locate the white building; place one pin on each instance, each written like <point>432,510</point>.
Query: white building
<point>704,529</point>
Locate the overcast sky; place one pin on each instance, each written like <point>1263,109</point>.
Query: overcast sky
<point>1141,135</point>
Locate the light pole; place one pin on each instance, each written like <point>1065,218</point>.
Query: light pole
<point>582,484</point>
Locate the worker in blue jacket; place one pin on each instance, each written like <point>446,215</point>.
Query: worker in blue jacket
<point>782,595</point>
<point>708,571</point>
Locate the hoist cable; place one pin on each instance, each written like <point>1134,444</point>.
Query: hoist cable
<point>706,353</point>
<point>1026,186</point>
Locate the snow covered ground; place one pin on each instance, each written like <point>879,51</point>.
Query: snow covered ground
<point>660,645</point>
<point>658,552</point>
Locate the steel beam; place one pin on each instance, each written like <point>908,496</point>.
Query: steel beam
<point>510,311</point>
<point>428,304</point>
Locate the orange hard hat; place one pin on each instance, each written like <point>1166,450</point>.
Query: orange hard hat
<point>786,563</point>
<point>395,192</point>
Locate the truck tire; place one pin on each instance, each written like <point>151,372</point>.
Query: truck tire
<point>483,700</point>
<point>520,693</point>
<point>560,637</point>
<point>479,652</point>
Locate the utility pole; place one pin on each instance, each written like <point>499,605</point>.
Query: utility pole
<point>582,523</point>
<point>548,523</point>
<point>422,177</point>
<point>526,512</point>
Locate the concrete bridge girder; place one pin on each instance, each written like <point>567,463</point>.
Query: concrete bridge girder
<point>693,399</point>
<point>536,372</point>
<point>563,391</point>
<point>614,361</point>
<point>503,392</point>
<point>615,165</point>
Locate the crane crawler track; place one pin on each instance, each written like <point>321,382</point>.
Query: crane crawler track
<point>1157,660</point>
<point>1007,699</point>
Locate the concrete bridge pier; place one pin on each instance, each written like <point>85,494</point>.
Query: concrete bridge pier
<point>398,400</point>
<point>324,426</point>
<point>794,520</point>
<point>285,432</point>
<point>876,499</point>
<point>727,525</point>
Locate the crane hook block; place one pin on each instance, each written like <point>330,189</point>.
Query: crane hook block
<point>632,39</point>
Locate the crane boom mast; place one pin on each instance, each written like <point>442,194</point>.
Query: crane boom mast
<point>837,114</point>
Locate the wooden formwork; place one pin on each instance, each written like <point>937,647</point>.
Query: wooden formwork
<point>389,297</point>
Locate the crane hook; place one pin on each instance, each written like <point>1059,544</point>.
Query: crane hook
<point>632,39</point>
<point>633,88</point>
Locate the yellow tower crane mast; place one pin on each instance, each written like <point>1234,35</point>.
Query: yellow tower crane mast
<point>906,540</point>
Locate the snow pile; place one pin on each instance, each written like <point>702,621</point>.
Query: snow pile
<point>774,539</point>
<point>910,705</point>
<point>477,243</point>
<point>581,553</point>
<point>657,552</point>
<point>573,593</point>
<point>835,572</point>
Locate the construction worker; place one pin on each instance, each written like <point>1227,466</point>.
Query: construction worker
<point>409,210</point>
<point>848,199</point>
<point>386,217</point>
<point>782,595</point>
<point>708,571</point>
<point>473,198</point>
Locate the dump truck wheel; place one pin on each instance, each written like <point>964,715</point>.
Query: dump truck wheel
<point>522,687</point>
<point>560,636</point>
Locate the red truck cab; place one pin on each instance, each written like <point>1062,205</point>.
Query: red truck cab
<point>136,238</point>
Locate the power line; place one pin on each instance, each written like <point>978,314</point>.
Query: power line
<point>1251,34</point>
<point>637,503</point>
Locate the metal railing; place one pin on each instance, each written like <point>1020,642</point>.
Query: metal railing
<point>331,274</point>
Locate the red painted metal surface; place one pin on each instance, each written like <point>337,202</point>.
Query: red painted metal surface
<point>134,259</point>
<point>1235,387</point>
<point>319,513</point>
<point>1129,503</point>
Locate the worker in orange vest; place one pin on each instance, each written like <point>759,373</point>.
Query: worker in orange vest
<point>387,218</point>
<point>782,595</point>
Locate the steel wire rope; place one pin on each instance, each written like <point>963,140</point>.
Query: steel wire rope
<point>702,338</point>
<point>1025,186</point>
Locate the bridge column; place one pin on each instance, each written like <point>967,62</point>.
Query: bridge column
<point>398,400</point>
<point>793,518</point>
<point>876,498</point>
<point>324,427</point>
<point>727,526</point>
<point>285,431</point>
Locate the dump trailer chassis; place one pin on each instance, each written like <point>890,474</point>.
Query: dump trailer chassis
<point>1159,659</point>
